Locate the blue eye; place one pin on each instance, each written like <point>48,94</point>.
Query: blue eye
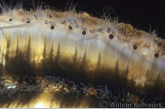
<point>134,47</point>
<point>83,32</point>
<point>111,36</point>
<point>10,19</point>
<point>156,55</point>
<point>70,27</point>
<point>27,21</point>
<point>159,44</point>
<point>52,27</point>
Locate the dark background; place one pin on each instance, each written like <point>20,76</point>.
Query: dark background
<point>139,13</point>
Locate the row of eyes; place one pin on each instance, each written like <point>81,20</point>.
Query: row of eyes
<point>110,37</point>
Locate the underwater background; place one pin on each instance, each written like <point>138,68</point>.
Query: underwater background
<point>140,14</point>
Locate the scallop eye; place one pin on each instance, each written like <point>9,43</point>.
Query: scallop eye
<point>83,32</point>
<point>52,27</point>
<point>27,21</point>
<point>10,19</point>
<point>70,27</point>
<point>134,47</point>
<point>156,55</point>
<point>111,36</point>
<point>159,44</point>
